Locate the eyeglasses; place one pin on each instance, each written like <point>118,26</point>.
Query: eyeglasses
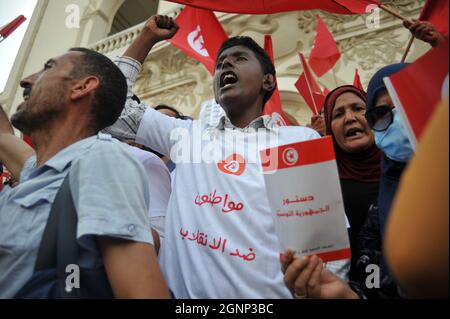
<point>380,117</point>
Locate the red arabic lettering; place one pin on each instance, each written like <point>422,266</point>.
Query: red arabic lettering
<point>214,199</point>
<point>248,257</point>
<point>310,212</point>
<point>202,240</point>
<point>298,200</point>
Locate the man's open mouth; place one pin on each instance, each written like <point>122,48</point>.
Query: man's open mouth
<point>227,79</point>
<point>26,93</point>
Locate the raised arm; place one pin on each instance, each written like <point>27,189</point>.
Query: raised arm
<point>13,151</point>
<point>152,130</point>
<point>158,28</point>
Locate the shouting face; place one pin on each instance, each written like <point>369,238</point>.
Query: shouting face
<point>239,79</point>
<point>349,125</point>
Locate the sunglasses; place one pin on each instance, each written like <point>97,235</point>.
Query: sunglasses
<point>380,117</point>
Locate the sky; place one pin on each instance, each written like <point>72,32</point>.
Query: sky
<point>9,10</point>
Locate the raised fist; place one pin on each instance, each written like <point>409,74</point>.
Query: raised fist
<point>160,27</point>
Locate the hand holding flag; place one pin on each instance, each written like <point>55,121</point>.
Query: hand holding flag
<point>436,12</point>
<point>432,26</point>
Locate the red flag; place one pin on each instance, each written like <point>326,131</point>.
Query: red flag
<point>200,36</point>
<point>324,53</point>
<point>436,12</point>
<point>326,91</point>
<point>417,89</point>
<point>274,107</point>
<point>309,89</point>
<point>357,81</point>
<point>9,28</point>
<point>276,6</point>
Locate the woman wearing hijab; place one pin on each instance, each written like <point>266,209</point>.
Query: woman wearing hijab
<point>357,156</point>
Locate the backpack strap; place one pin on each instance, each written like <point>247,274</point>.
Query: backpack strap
<point>59,246</point>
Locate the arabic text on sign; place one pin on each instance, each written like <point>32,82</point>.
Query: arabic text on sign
<point>310,212</point>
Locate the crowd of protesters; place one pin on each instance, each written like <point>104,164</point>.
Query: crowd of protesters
<point>138,230</point>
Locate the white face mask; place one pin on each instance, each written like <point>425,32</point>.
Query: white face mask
<point>394,141</point>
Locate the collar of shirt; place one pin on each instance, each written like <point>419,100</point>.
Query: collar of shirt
<point>264,121</point>
<point>61,160</point>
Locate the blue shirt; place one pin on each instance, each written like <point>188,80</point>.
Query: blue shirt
<point>110,194</point>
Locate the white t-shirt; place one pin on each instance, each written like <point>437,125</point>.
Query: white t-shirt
<point>220,237</point>
<point>159,182</point>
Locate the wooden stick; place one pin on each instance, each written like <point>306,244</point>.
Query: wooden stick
<point>335,79</point>
<point>394,13</point>
<point>405,55</point>
<point>309,87</point>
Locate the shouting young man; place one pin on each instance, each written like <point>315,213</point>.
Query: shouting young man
<point>220,236</point>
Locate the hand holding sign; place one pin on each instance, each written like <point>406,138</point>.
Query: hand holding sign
<point>307,278</point>
<point>304,194</point>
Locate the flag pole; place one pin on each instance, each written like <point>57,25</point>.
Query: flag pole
<point>309,88</point>
<point>405,55</point>
<point>394,13</point>
<point>335,78</point>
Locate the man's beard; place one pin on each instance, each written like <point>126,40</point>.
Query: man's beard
<point>27,121</point>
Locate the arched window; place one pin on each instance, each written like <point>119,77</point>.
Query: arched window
<point>133,12</point>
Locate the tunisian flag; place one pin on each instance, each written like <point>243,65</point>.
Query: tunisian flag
<point>309,89</point>
<point>436,12</point>
<point>276,6</point>
<point>417,89</point>
<point>9,28</point>
<point>200,36</point>
<point>274,107</point>
<point>325,53</point>
<point>357,81</point>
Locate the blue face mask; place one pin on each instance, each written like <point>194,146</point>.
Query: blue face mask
<point>394,142</point>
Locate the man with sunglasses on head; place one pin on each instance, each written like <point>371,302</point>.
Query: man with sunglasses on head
<point>391,138</point>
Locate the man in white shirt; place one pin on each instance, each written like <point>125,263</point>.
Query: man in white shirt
<point>159,183</point>
<point>220,237</point>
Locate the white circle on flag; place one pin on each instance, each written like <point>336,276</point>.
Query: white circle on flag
<point>290,156</point>
<point>195,40</point>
